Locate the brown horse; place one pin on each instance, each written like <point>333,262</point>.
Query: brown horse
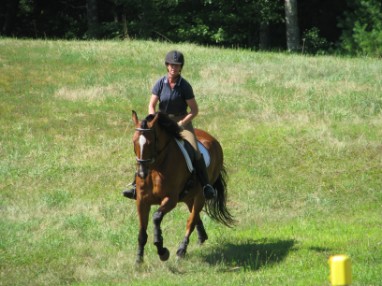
<point>164,179</point>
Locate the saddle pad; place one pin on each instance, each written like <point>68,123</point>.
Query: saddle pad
<point>203,151</point>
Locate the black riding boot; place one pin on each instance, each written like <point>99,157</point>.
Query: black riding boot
<point>131,193</point>
<point>201,172</point>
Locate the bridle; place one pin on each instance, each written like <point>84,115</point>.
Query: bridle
<point>153,147</point>
<point>146,164</point>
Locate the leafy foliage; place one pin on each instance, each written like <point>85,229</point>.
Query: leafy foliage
<point>362,28</point>
<point>244,23</point>
<point>355,26</point>
<point>313,43</point>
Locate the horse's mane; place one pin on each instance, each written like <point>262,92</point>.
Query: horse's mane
<point>168,125</point>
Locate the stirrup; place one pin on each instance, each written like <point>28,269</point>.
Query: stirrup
<point>209,192</point>
<point>131,193</point>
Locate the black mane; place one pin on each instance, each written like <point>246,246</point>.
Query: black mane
<point>171,127</point>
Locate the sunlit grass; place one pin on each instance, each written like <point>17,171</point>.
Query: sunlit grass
<point>301,138</point>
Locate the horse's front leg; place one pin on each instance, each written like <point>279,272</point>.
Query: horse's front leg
<point>142,240</point>
<point>163,252</point>
<point>167,204</point>
<point>143,213</point>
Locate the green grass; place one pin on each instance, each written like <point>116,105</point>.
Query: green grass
<point>302,143</point>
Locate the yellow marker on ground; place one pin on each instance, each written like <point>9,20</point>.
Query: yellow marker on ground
<point>340,270</point>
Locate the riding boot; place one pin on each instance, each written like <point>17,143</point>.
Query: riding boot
<point>201,172</point>
<point>131,193</point>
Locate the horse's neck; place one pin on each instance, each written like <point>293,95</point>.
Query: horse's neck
<point>165,143</point>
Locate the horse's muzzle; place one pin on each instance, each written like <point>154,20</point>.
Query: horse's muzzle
<point>143,167</point>
<point>142,172</point>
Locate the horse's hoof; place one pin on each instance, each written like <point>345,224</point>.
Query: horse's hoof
<point>202,238</point>
<point>139,260</point>
<point>181,253</point>
<point>201,241</point>
<point>165,255</point>
<point>202,234</point>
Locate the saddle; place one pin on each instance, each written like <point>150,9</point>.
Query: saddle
<point>189,153</point>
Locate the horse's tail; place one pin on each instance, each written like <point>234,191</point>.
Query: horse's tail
<point>217,208</point>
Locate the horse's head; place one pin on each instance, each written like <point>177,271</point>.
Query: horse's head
<point>150,138</point>
<point>144,141</point>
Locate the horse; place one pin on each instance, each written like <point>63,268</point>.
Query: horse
<point>163,179</point>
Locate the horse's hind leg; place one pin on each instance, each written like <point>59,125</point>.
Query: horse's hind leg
<point>181,252</point>
<point>202,237</point>
<point>193,220</point>
<point>182,249</point>
<point>202,234</point>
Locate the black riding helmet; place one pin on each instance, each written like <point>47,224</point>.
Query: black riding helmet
<point>175,58</point>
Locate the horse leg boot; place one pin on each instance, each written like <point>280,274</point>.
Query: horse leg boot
<point>183,247</point>
<point>163,252</point>
<point>131,193</point>
<point>142,240</point>
<point>201,172</point>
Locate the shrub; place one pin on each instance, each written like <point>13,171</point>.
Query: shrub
<point>313,43</point>
<point>362,28</point>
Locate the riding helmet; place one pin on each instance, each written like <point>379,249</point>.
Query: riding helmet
<point>175,58</point>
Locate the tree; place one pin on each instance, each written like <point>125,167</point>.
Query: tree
<point>268,13</point>
<point>92,17</point>
<point>231,23</point>
<point>10,16</point>
<point>362,28</point>
<point>292,27</point>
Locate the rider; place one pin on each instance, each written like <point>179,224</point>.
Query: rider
<point>175,96</point>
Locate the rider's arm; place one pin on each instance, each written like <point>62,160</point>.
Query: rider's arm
<point>153,103</point>
<point>194,110</point>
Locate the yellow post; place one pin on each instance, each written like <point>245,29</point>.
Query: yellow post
<point>340,270</point>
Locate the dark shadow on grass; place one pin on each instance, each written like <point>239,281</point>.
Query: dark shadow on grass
<point>320,249</point>
<point>250,255</point>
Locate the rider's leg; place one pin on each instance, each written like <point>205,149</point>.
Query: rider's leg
<point>131,193</point>
<point>201,169</point>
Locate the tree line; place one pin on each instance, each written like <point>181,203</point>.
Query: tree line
<point>309,26</point>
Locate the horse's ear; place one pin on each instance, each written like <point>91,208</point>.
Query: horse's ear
<point>152,122</point>
<point>135,118</point>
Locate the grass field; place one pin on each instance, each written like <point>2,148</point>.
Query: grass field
<point>302,138</point>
